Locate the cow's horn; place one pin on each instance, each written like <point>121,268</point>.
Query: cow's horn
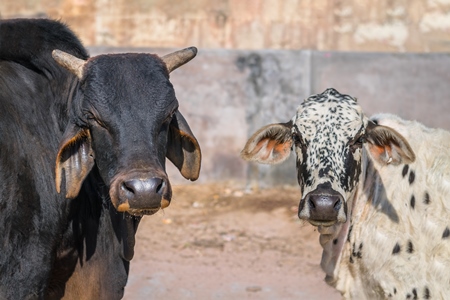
<point>70,62</point>
<point>179,58</point>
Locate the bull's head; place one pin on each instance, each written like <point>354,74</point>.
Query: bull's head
<point>124,119</point>
<point>329,134</point>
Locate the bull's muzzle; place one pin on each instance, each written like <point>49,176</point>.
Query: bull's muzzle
<point>141,195</point>
<point>323,206</point>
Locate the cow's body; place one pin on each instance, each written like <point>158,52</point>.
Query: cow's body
<point>108,122</point>
<point>33,214</point>
<point>378,189</point>
<point>399,243</point>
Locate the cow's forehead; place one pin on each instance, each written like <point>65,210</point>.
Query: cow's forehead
<point>329,111</point>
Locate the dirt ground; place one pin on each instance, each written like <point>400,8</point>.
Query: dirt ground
<point>215,242</point>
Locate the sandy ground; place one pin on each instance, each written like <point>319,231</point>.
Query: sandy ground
<point>214,242</point>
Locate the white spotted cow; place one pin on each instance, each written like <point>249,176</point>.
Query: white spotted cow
<point>377,189</point>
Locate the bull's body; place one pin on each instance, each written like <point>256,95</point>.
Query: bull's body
<point>378,189</point>
<point>399,243</point>
<point>33,215</point>
<point>102,123</point>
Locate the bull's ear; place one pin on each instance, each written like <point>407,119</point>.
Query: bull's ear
<point>387,146</point>
<point>269,145</point>
<point>183,149</point>
<point>76,158</point>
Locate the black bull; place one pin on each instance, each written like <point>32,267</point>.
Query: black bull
<point>97,130</point>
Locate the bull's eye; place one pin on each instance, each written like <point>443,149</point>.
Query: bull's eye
<point>169,117</point>
<point>92,119</point>
<point>298,141</point>
<point>358,142</point>
<point>361,140</point>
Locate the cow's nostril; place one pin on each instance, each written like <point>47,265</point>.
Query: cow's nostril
<point>143,188</point>
<point>160,187</point>
<point>146,194</point>
<point>311,204</point>
<point>338,204</point>
<point>128,187</point>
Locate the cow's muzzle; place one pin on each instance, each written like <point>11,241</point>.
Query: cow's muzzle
<point>323,206</point>
<point>141,194</point>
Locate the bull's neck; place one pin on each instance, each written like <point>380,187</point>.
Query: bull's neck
<point>61,108</point>
<point>333,240</point>
<point>336,240</point>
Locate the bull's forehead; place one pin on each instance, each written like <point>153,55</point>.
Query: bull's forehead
<point>327,124</point>
<point>329,117</point>
<point>129,85</point>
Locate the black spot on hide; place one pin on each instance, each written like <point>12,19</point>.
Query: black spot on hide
<point>426,293</point>
<point>349,233</point>
<point>325,171</point>
<point>395,291</point>
<point>446,233</point>
<point>352,171</point>
<point>410,248</point>
<point>396,249</point>
<point>408,296</point>
<point>359,253</point>
<point>335,241</point>
<point>427,200</point>
<point>412,177</point>
<point>405,170</point>
<point>351,259</point>
<point>414,291</point>
<point>303,175</point>
<point>413,201</point>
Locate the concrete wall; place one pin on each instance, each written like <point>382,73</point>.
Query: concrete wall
<point>226,95</point>
<point>349,25</point>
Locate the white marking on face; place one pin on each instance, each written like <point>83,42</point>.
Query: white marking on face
<point>327,125</point>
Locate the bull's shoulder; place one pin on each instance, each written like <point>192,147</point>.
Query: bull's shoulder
<point>431,146</point>
<point>415,132</point>
<point>30,42</point>
<point>399,245</point>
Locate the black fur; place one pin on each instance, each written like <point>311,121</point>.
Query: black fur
<point>123,100</point>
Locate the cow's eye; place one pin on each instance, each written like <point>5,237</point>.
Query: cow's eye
<point>361,140</point>
<point>358,142</point>
<point>169,117</point>
<point>167,120</point>
<point>93,120</point>
<point>298,140</point>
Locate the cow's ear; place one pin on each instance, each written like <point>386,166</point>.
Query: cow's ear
<point>183,149</point>
<point>269,145</point>
<point>387,146</point>
<point>76,158</point>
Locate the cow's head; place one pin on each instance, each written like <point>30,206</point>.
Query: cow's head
<point>329,134</point>
<point>124,119</point>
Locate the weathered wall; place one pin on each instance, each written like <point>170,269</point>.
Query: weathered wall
<point>226,95</point>
<point>356,25</point>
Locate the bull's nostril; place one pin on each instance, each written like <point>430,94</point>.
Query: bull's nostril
<point>338,204</point>
<point>127,187</point>
<point>160,188</point>
<point>143,187</point>
<point>311,204</point>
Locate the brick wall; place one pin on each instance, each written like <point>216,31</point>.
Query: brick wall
<point>356,25</point>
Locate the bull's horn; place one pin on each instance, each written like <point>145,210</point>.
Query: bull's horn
<point>70,62</point>
<point>179,58</point>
